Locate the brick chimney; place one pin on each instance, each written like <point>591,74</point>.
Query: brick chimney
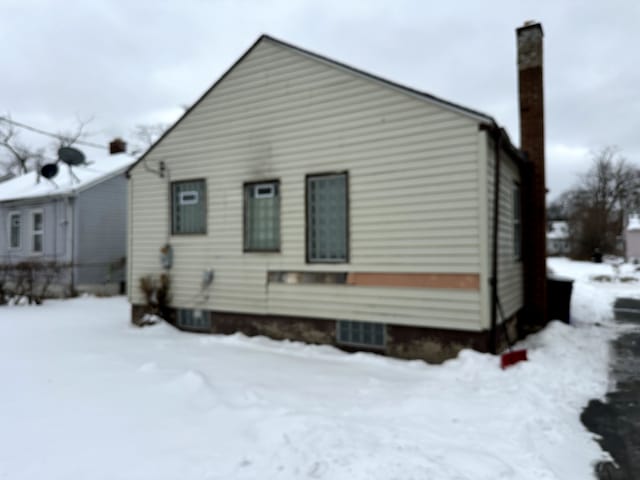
<point>530,86</point>
<point>117,145</point>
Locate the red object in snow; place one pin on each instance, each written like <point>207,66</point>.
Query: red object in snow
<point>511,358</point>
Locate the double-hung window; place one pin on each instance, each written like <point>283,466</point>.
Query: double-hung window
<point>327,218</point>
<point>15,230</point>
<point>517,223</point>
<point>262,217</point>
<point>37,231</point>
<point>188,207</point>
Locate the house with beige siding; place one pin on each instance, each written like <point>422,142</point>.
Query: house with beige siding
<point>302,198</point>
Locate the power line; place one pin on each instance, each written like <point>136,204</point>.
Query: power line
<point>49,134</point>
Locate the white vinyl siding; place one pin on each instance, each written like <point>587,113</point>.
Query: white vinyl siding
<point>188,207</point>
<point>510,280</point>
<point>262,217</point>
<point>413,193</point>
<point>15,230</point>
<point>327,218</point>
<point>37,231</point>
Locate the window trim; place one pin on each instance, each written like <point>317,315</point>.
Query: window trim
<point>245,185</point>
<point>516,218</point>
<point>307,226</point>
<point>18,214</point>
<point>33,232</point>
<point>204,206</point>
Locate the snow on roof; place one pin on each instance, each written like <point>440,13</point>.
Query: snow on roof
<point>634,222</point>
<point>559,230</point>
<point>100,167</point>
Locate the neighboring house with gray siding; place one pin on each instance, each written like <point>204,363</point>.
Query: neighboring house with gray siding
<point>632,238</point>
<point>77,219</point>
<point>302,198</point>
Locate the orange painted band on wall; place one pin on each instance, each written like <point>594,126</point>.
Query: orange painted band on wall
<point>459,281</point>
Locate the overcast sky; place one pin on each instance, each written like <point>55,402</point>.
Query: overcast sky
<point>142,61</point>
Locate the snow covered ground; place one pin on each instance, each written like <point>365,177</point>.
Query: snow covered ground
<point>85,395</point>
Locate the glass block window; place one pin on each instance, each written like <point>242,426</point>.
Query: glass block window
<point>193,319</point>
<point>188,205</point>
<point>364,334</point>
<point>15,229</point>
<point>327,218</point>
<point>37,231</point>
<point>517,223</point>
<point>262,217</point>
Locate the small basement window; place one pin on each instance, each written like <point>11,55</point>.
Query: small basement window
<point>193,319</point>
<point>362,334</point>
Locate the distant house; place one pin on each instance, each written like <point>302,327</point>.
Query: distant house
<point>632,238</point>
<point>558,238</point>
<point>76,219</point>
<point>302,198</point>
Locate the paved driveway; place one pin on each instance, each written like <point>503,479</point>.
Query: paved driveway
<point>617,420</point>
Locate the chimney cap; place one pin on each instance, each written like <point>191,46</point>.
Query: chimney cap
<point>530,25</point>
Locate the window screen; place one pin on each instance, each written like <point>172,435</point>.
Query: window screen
<point>361,333</point>
<point>188,206</point>
<point>327,219</point>
<point>262,216</point>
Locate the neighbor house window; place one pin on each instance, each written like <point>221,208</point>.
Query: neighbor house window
<point>361,334</point>
<point>37,231</point>
<point>15,229</point>
<point>188,207</point>
<point>262,217</point>
<point>194,319</point>
<point>517,223</point>
<point>327,218</point>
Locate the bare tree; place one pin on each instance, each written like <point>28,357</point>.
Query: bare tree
<point>67,138</point>
<point>20,158</point>
<point>145,135</point>
<point>598,204</point>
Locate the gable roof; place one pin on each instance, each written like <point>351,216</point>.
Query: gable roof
<point>475,115</point>
<point>99,169</point>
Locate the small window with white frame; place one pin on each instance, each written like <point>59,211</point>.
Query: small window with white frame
<point>15,230</point>
<point>37,231</point>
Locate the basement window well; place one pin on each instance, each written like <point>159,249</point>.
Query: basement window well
<point>361,334</point>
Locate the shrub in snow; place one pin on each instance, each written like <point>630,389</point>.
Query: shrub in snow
<point>156,291</point>
<point>29,280</point>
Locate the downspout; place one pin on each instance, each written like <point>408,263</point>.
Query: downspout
<point>497,141</point>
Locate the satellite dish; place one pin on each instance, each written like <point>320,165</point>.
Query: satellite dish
<point>49,170</point>
<point>71,156</point>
